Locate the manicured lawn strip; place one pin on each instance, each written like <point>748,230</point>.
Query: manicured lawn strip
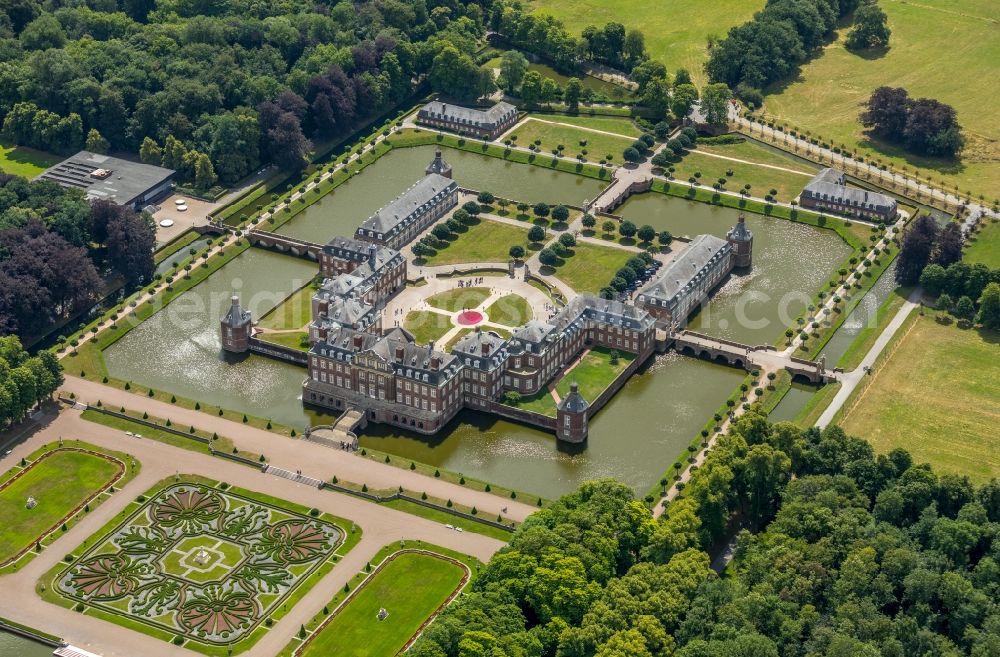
<point>292,340</point>
<point>541,402</point>
<point>458,336</point>
<point>865,338</point>
<point>752,151</point>
<point>352,628</point>
<point>458,299</point>
<point>934,392</point>
<point>778,389</point>
<point>292,313</point>
<point>818,403</point>
<point>591,267</point>
<point>761,179</point>
<point>448,519</point>
<point>67,484</point>
<point>47,590</point>
<point>487,241</point>
<point>597,145</point>
<point>618,125</point>
<point>826,93</point>
<point>984,245</point>
<point>510,310</point>
<point>23,161</point>
<point>427,326</point>
<point>418,137</point>
<point>175,246</point>
<point>675,34</point>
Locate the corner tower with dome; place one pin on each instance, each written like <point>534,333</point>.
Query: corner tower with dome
<point>741,239</point>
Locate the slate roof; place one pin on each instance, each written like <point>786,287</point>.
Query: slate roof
<point>574,401</point>
<point>408,203</point>
<point>698,255</point>
<point>740,231</point>
<point>833,183</point>
<point>347,311</point>
<point>468,115</point>
<point>236,316</point>
<point>470,348</point>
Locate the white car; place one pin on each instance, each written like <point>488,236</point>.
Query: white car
<point>446,526</point>
<point>129,434</point>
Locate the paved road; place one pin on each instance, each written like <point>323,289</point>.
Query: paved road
<point>296,454</point>
<point>380,526</point>
<point>850,380</point>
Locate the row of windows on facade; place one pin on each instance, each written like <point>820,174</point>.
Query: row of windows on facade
<point>839,200</point>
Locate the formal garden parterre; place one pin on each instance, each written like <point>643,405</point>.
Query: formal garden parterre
<point>203,564</point>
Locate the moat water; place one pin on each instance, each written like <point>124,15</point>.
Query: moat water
<point>340,212</point>
<point>12,645</point>
<point>635,438</point>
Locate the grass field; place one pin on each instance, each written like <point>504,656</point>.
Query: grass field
<point>426,325</point>
<point>597,145</point>
<point>591,267</point>
<point>985,246</point>
<point>618,125</point>
<point>24,161</point>
<point>593,374</point>
<point>936,396</point>
<point>942,49</point>
<point>675,33</point>
<point>459,298</point>
<point>510,310</point>
<point>292,313</point>
<point>487,241</point>
<point>762,179</point>
<point>410,588</point>
<point>755,152</point>
<point>59,482</point>
<point>296,339</point>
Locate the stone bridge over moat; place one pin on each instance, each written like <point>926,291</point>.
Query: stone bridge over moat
<point>285,244</point>
<point>749,357</point>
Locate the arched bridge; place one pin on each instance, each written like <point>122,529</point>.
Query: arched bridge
<point>749,357</point>
<point>285,244</point>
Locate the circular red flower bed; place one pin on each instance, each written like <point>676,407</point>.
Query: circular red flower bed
<point>469,317</point>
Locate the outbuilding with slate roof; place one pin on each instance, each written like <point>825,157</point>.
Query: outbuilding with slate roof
<point>484,124</point>
<point>828,191</point>
<point>406,216</point>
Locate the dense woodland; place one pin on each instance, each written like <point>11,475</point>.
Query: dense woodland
<point>842,553</point>
<point>56,248</point>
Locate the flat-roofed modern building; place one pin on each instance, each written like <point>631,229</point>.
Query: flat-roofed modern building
<point>687,280</point>
<point>123,182</point>
<point>407,215</point>
<point>483,124</point>
<point>828,191</point>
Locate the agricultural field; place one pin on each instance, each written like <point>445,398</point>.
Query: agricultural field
<point>200,563</point>
<point>575,140</point>
<point>676,33</point>
<point>591,267</point>
<point>61,481</point>
<point>942,49</point>
<point>487,241</point>
<point>23,161</point>
<point>410,586</point>
<point>984,246</point>
<point>936,397</point>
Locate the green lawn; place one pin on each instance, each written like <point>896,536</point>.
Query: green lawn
<point>675,32</point>
<point>618,125</point>
<point>510,310</point>
<point>426,325</point>
<point>866,338</point>
<point>593,374</point>
<point>761,179</point>
<point>487,241</point>
<point>936,396</point>
<point>597,145</point>
<point>292,313</point>
<point>751,151</point>
<point>459,298</point>
<point>941,49</point>
<point>410,588</point>
<point>24,161</point>
<point>59,482</point>
<point>591,267</point>
<point>296,339</point>
<point>984,246</point>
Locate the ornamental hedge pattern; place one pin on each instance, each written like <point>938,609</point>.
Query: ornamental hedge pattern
<point>201,563</point>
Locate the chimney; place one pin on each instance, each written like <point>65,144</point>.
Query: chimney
<point>486,349</point>
<point>435,363</point>
<point>399,353</point>
<point>358,341</point>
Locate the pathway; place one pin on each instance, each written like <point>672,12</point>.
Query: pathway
<point>756,164</point>
<point>575,127</point>
<point>297,454</point>
<point>380,526</point>
<point>850,380</point>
